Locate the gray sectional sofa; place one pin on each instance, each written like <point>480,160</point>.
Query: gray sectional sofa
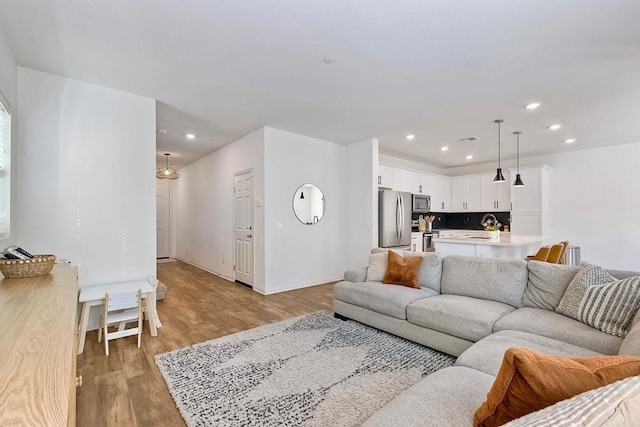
<point>475,309</point>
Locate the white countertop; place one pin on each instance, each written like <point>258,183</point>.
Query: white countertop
<point>506,239</point>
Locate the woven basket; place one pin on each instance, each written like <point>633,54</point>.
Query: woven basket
<point>39,265</point>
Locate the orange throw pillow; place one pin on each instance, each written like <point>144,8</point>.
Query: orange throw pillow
<point>528,381</point>
<point>402,271</point>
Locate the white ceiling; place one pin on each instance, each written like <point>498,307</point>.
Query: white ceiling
<point>442,70</point>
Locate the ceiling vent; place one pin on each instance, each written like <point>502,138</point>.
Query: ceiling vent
<point>470,139</point>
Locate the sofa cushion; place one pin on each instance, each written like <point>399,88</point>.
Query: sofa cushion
<point>598,299</point>
<point>464,317</point>
<point>385,299</point>
<point>631,343</point>
<point>446,398</point>
<point>547,283</point>
<point>486,355</point>
<point>616,404</point>
<point>530,381</point>
<point>553,325</point>
<point>431,269</point>
<point>494,279</point>
<point>402,271</point>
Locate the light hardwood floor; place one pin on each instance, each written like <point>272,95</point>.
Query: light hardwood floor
<point>126,388</point>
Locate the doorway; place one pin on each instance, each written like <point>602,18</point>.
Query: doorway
<point>163,218</point>
<point>243,228</point>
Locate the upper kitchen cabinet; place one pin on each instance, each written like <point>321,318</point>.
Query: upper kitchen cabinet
<point>420,184</point>
<point>466,193</point>
<point>440,193</point>
<point>401,180</point>
<point>532,196</point>
<point>496,196</point>
<point>385,176</point>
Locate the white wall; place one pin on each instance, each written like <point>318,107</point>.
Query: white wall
<point>594,203</point>
<point>9,89</point>
<point>361,204</point>
<point>86,176</point>
<point>203,207</point>
<point>301,255</point>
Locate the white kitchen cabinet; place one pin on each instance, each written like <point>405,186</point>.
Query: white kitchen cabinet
<point>495,195</point>
<point>420,183</point>
<point>466,193</point>
<point>529,224</point>
<point>531,197</point>
<point>416,242</point>
<point>440,193</point>
<point>401,180</point>
<point>385,176</point>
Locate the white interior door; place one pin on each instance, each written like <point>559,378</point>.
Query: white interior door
<point>162,218</point>
<point>243,228</point>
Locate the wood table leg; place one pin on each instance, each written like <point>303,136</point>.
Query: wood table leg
<point>153,316</point>
<point>84,319</point>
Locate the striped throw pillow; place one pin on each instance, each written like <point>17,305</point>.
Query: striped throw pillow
<point>615,403</point>
<point>600,300</point>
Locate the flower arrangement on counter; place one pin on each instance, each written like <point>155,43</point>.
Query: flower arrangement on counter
<point>491,225</point>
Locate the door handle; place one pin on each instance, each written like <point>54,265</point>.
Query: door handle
<point>248,236</point>
<point>379,180</point>
<point>420,189</point>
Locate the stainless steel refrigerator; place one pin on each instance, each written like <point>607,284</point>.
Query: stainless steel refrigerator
<point>394,219</point>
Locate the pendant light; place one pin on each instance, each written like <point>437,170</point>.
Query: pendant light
<point>499,177</point>
<point>167,172</point>
<point>518,182</point>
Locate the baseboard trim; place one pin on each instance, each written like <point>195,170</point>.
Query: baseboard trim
<point>205,269</point>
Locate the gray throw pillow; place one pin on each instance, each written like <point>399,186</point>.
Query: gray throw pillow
<point>600,300</point>
<point>547,283</point>
<point>377,267</point>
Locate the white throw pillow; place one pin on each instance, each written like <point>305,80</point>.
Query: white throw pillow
<point>377,267</point>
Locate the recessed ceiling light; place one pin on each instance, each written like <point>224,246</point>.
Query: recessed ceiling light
<point>555,126</point>
<point>190,136</point>
<point>533,105</point>
<point>569,141</point>
<point>328,60</point>
<point>469,157</point>
<point>445,148</point>
<point>410,137</point>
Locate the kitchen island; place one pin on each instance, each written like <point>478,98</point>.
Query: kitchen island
<point>509,245</point>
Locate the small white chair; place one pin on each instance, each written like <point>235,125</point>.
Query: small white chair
<point>121,309</point>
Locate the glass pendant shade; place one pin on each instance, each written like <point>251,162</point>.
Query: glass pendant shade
<point>167,172</point>
<point>518,182</point>
<point>499,177</point>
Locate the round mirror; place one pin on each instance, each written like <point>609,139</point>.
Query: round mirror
<point>308,204</point>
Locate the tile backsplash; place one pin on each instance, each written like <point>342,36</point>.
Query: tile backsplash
<point>464,221</point>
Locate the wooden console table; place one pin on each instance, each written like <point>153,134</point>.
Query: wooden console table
<point>38,339</point>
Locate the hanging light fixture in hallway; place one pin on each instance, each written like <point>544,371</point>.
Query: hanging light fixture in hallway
<point>499,177</point>
<point>518,182</point>
<point>167,172</point>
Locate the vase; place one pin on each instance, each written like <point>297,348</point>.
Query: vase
<point>494,235</point>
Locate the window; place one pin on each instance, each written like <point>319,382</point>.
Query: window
<point>5,167</point>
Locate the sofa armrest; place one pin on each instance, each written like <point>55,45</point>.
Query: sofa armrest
<point>358,275</point>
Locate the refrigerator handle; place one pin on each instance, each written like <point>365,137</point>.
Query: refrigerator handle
<point>401,218</point>
<point>398,217</point>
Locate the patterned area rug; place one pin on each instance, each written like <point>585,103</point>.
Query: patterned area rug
<point>312,370</point>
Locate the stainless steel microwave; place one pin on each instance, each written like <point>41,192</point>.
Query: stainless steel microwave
<point>421,203</point>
